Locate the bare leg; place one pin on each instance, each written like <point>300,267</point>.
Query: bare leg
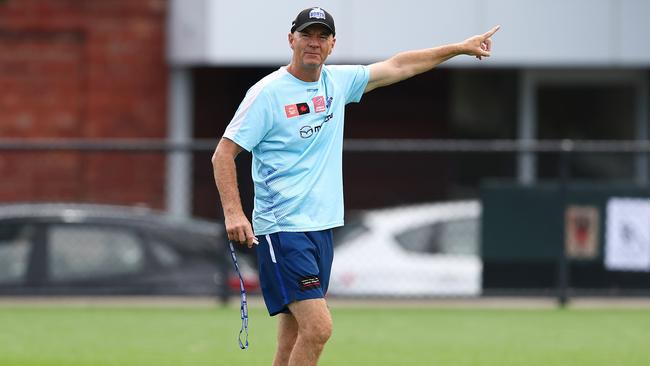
<point>287,334</point>
<point>314,329</point>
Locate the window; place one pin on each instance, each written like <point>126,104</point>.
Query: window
<point>352,229</point>
<point>457,237</point>
<point>587,112</point>
<point>15,246</point>
<point>460,237</point>
<point>86,252</point>
<point>166,256</point>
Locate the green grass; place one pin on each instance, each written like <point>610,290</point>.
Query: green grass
<point>100,336</point>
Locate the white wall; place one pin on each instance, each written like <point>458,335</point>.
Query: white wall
<point>534,32</point>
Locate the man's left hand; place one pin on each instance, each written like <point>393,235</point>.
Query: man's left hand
<point>480,45</point>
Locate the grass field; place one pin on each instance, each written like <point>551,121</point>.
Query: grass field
<point>126,336</point>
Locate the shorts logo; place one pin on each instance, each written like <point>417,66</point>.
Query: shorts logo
<point>309,282</point>
<point>317,13</point>
<point>319,104</point>
<point>293,110</point>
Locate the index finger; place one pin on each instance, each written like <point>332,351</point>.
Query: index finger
<point>489,33</point>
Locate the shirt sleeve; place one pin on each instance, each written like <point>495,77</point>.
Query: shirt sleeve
<point>252,120</point>
<point>353,78</point>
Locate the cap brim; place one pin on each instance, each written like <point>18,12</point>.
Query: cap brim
<point>302,27</point>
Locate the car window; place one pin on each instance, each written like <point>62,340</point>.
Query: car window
<point>15,246</point>
<point>165,254</point>
<point>459,237</point>
<point>353,228</point>
<point>86,252</point>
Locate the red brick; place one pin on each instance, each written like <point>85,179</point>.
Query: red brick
<point>91,68</point>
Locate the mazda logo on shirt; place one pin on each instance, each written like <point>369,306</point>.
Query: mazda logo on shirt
<point>308,131</point>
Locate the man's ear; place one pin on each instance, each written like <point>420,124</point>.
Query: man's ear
<point>290,39</point>
<point>333,44</point>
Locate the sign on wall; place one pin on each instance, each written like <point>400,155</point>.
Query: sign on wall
<point>628,235</point>
<point>582,231</point>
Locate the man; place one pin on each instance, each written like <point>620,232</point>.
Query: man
<point>292,122</point>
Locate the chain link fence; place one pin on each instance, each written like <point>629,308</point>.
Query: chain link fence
<point>425,218</point>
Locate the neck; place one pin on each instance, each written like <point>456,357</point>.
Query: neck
<point>304,74</point>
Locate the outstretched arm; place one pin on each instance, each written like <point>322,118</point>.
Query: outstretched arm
<point>410,63</point>
<point>225,176</point>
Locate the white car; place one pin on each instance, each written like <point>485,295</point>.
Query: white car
<point>410,251</point>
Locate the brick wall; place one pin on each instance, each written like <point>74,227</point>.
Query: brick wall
<point>82,69</point>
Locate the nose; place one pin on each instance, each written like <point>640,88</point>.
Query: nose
<point>313,42</point>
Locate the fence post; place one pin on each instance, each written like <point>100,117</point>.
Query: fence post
<point>563,261</point>
<point>178,183</point>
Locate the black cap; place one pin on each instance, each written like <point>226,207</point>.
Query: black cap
<point>311,16</point>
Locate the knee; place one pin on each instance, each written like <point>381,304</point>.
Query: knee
<point>318,333</point>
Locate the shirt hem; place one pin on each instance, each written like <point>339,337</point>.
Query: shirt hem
<point>299,229</point>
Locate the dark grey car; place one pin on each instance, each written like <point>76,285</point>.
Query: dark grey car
<point>77,249</point>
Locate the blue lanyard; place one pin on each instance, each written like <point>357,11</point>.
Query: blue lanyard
<point>244,304</point>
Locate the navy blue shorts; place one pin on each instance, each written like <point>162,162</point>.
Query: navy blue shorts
<point>294,266</point>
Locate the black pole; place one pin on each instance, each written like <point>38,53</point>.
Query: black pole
<point>563,261</point>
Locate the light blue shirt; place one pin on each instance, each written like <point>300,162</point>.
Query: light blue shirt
<point>294,130</point>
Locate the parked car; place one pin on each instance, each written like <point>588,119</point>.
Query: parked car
<point>414,251</point>
<point>82,249</point>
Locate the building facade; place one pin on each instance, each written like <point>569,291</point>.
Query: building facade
<point>87,69</point>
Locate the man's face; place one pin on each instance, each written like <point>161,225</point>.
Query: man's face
<point>312,45</point>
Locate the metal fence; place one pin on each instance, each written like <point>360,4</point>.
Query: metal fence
<point>422,220</point>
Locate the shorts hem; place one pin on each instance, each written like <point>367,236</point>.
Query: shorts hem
<point>285,307</point>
